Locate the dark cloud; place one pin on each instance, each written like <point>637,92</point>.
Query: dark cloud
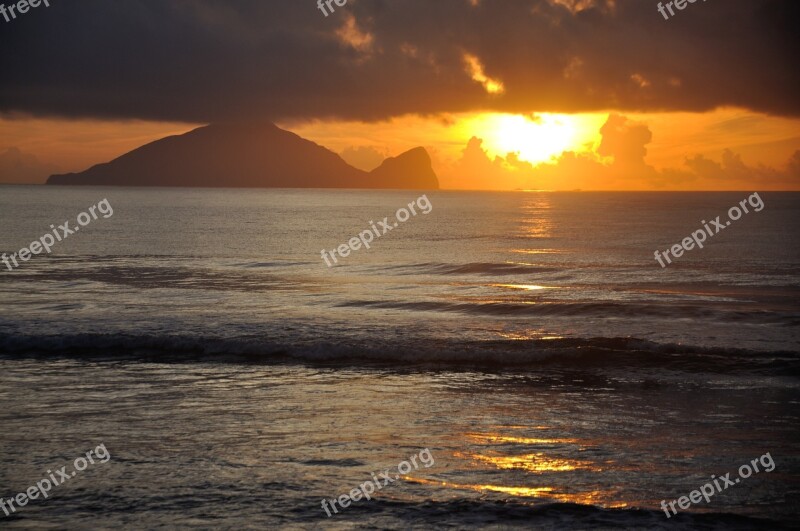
<point>208,60</point>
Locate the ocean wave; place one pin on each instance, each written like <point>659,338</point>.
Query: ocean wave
<point>578,309</point>
<point>552,516</point>
<point>473,268</point>
<point>527,353</point>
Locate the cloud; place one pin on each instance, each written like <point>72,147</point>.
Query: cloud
<point>204,60</point>
<point>366,158</point>
<point>475,70</point>
<point>351,35</point>
<point>618,163</point>
<point>23,168</point>
<point>477,171</point>
<point>735,174</point>
<point>624,140</point>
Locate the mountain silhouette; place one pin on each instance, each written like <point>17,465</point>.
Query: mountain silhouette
<point>251,156</point>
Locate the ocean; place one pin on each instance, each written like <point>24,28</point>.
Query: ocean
<point>559,377</point>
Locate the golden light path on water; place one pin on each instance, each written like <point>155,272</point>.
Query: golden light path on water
<point>535,462</point>
<point>596,497</point>
<point>519,440</point>
<point>527,287</point>
<point>537,474</point>
<point>540,251</point>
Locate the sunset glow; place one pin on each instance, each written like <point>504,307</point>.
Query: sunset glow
<point>537,138</point>
<point>449,264</point>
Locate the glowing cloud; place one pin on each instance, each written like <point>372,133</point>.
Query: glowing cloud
<point>475,70</point>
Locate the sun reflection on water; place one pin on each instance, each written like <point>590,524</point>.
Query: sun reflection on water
<point>527,287</point>
<point>596,497</point>
<point>526,336</point>
<point>534,472</point>
<point>520,440</point>
<point>537,462</point>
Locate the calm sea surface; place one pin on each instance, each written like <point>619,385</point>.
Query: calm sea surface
<point>558,375</point>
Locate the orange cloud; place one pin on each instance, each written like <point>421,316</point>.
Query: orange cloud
<point>618,163</point>
<point>475,70</point>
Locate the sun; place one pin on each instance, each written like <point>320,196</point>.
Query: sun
<point>536,139</point>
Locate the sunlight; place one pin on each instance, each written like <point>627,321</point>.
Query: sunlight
<point>536,139</point>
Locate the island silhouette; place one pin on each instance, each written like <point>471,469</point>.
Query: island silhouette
<point>250,156</point>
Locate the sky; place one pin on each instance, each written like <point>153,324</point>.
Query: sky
<point>504,94</point>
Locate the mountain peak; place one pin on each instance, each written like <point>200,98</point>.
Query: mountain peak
<point>414,167</point>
